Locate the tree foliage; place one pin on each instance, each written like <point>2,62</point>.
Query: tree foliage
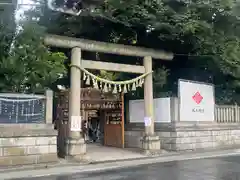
<point>203,35</point>
<point>7,30</point>
<point>30,66</point>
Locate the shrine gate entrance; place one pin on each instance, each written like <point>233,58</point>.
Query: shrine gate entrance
<point>75,144</point>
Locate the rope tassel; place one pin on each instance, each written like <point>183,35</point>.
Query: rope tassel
<point>106,85</point>
<point>84,76</point>
<point>109,87</point>
<point>100,84</point>
<point>95,84</point>
<point>108,81</point>
<point>137,83</point>
<point>133,87</point>
<point>115,89</point>
<point>88,80</point>
<point>128,87</point>
<point>119,88</point>
<point>141,82</point>
<point>125,88</point>
<point>105,89</point>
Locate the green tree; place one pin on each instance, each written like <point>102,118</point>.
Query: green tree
<point>30,66</point>
<point>204,36</point>
<point>7,29</point>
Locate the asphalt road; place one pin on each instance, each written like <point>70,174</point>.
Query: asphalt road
<point>224,168</point>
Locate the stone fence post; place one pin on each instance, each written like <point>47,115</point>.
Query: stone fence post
<point>174,109</point>
<point>49,106</point>
<point>236,117</point>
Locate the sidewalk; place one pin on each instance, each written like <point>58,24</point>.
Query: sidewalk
<point>70,168</point>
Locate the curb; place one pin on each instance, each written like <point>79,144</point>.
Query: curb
<point>39,166</point>
<point>66,163</point>
<point>119,160</point>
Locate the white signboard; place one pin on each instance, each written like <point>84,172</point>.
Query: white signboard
<point>161,110</point>
<point>196,101</point>
<point>136,106</point>
<point>76,123</point>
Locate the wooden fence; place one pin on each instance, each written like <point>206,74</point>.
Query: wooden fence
<point>227,114</point>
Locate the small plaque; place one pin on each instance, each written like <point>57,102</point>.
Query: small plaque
<point>76,123</point>
<point>147,121</point>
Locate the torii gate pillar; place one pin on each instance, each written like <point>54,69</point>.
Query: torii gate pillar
<point>150,142</point>
<point>75,145</point>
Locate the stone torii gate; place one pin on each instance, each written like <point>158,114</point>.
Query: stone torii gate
<point>75,145</point>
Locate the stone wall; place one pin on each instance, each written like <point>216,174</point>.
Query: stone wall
<point>27,144</point>
<point>188,136</point>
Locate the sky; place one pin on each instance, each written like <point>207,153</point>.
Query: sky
<point>22,6</point>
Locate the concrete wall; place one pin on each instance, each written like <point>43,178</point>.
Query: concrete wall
<point>22,144</point>
<point>188,136</point>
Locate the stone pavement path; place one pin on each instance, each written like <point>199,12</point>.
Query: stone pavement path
<point>220,168</point>
<point>99,153</point>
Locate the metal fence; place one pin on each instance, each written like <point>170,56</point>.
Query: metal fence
<point>22,108</point>
<point>227,114</point>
